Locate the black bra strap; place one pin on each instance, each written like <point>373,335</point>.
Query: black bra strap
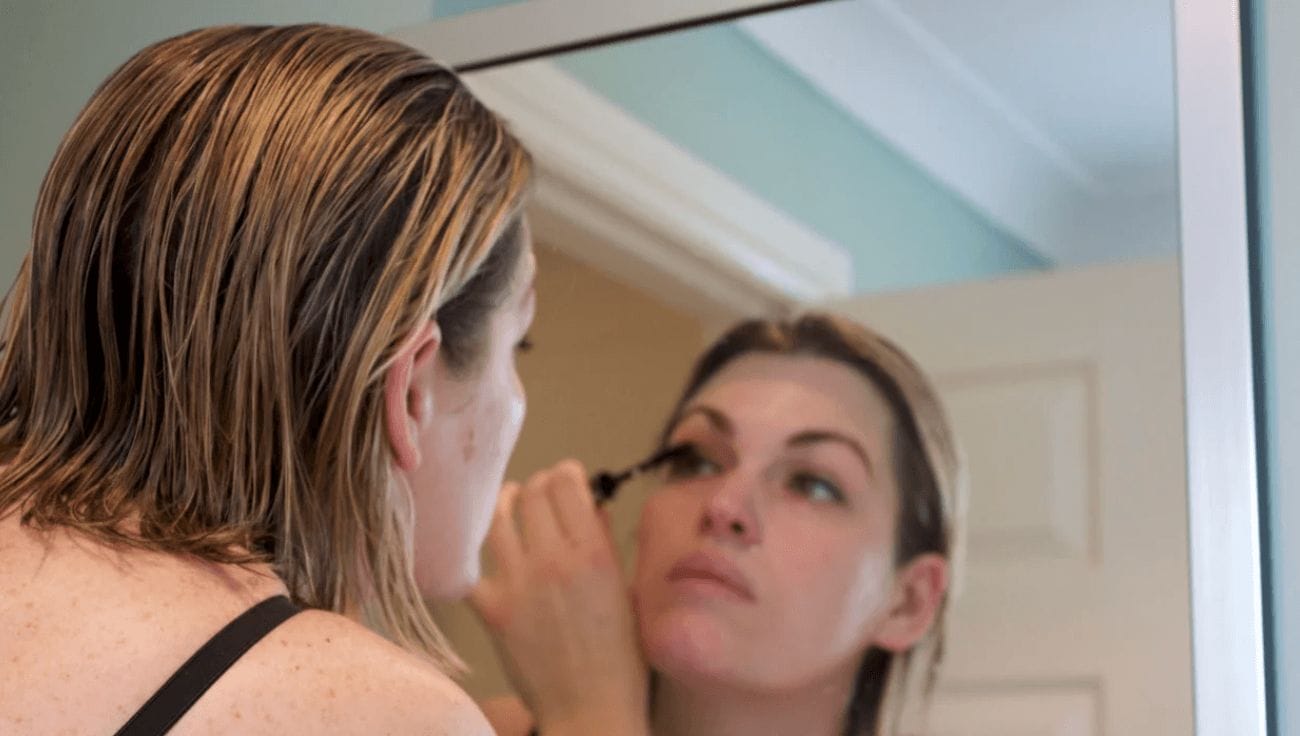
<point>201,670</point>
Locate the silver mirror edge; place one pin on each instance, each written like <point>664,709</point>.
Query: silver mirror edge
<point>519,30</point>
<point>1223,505</point>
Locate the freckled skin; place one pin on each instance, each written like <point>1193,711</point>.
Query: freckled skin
<point>75,670</point>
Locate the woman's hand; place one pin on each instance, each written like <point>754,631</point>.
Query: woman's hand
<point>559,609</point>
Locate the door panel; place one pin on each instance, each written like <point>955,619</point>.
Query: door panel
<point>1071,614</point>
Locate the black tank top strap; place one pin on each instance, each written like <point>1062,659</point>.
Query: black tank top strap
<point>201,670</point>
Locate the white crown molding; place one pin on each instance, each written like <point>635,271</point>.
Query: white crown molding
<point>615,193</point>
<point>955,125</point>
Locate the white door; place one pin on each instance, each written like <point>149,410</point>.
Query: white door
<point>1066,392</point>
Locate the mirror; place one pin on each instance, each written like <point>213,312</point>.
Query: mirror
<point>993,185</point>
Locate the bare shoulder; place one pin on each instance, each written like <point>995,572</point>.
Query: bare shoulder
<point>508,715</point>
<point>115,625</point>
<point>321,672</point>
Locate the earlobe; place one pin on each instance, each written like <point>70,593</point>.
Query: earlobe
<point>407,405</point>
<point>919,590</point>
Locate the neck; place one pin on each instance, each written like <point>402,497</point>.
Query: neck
<point>688,710</point>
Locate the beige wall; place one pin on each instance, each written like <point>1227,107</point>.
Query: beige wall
<point>609,361</point>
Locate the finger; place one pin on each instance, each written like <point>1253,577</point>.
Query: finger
<point>539,528</point>
<point>607,527</point>
<point>603,513</point>
<point>503,541</point>
<point>486,601</point>
<point>569,492</point>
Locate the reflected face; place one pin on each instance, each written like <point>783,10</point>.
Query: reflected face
<point>476,420</point>
<point>765,560</point>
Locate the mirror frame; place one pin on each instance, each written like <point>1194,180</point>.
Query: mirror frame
<point>1223,503</point>
<point>520,30</point>
<point>1223,489</point>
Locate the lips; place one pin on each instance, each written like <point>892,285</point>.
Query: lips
<point>716,569</point>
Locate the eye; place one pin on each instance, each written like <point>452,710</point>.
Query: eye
<point>525,345</point>
<point>690,463</point>
<point>815,488</point>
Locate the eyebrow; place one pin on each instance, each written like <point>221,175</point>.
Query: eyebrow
<point>719,420</point>
<point>723,424</point>
<point>814,436</point>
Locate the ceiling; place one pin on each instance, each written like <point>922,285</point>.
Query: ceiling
<point>1055,118</point>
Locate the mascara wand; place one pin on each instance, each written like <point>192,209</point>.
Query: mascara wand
<point>605,484</point>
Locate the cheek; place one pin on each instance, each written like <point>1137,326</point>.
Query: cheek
<point>838,591</point>
<point>648,537</point>
<point>498,418</point>
<point>510,389</point>
<point>504,421</point>
<point>661,534</point>
<point>465,456</point>
<point>517,407</point>
<point>836,574</point>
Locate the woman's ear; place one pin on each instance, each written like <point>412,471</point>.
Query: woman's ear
<point>918,594</point>
<point>408,394</point>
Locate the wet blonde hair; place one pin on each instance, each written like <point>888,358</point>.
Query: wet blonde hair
<point>234,240</point>
<point>927,466</point>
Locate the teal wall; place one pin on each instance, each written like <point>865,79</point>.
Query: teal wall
<point>54,53</point>
<point>711,90</point>
<point>719,95</point>
<point>448,8</point>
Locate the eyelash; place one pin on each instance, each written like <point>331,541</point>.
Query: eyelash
<point>799,478</point>
<point>687,463</point>
<point>680,465</point>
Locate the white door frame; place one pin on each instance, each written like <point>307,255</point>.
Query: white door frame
<point>1227,618</point>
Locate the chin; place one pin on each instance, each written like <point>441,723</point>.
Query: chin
<point>688,645</point>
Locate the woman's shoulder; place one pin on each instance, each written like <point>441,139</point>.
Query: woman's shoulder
<point>119,625</point>
<point>322,672</point>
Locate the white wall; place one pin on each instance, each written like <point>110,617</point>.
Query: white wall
<point>1278,111</point>
<point>54,53</point>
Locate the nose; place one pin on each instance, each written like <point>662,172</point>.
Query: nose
<point>729,514</point>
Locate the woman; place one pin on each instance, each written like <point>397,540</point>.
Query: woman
<point>793,565</point>
<point>262,349</point>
